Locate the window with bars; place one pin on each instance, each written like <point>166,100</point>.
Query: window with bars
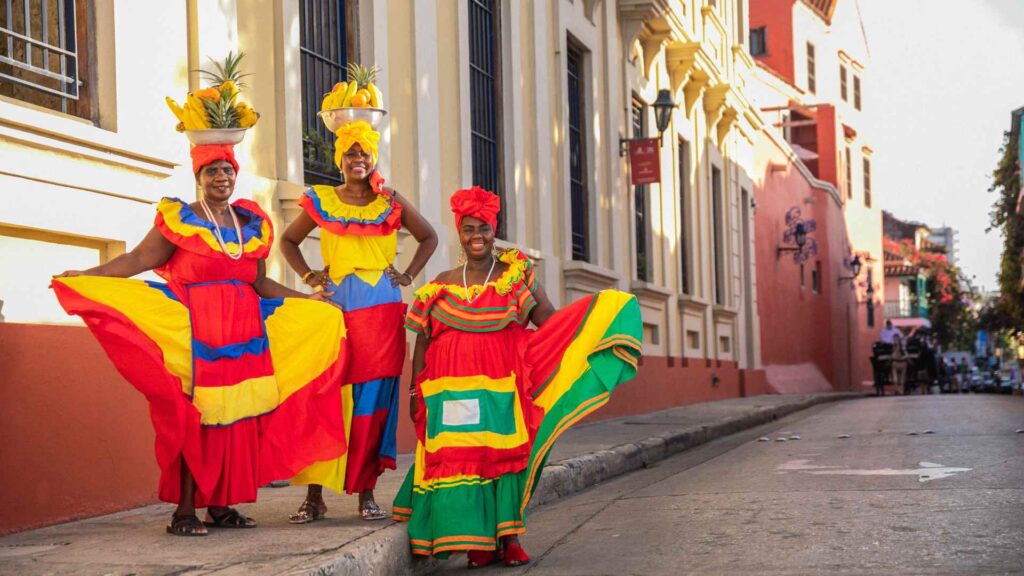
<point>323,57</point>
<point>44,54</point>
<point>812,73</point>
<point>843,92</point>
<point>856,92</point>
<point>684,194</point>
<point>718,234</point>
<point>867,182</point>
<point>578,193</point>
<point>640,211</point>
<point>759,41</point>
<point>485,100</point>
<point>849,173</point>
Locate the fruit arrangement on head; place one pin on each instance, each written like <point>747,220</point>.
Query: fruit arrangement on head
<point>215,115</point>
<point>357,100</point>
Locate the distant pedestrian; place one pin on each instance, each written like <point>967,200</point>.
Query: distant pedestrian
<point>900,360</point>
<point>889,333</point>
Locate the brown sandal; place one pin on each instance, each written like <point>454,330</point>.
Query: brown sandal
<point>186,525</point>
<point>308,512</point>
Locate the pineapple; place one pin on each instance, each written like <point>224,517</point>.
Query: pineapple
<point>222,112</point>
<point>362,75</point>
<point>227,71</point>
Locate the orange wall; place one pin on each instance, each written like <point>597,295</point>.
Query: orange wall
<point>777,17</point>
<point>77,440</point>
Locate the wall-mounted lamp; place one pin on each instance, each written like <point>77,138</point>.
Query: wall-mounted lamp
<point>663,106</point>
<point>799,238</point>
<point>854,267</point>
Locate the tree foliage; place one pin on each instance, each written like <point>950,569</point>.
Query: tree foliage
<point>1008,313</point>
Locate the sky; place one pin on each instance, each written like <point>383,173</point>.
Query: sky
<point>943,79</point>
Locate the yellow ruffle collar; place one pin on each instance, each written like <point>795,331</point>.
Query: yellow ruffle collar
<point>518,265</point>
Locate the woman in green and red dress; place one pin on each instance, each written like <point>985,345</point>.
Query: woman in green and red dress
<point>490,396</point>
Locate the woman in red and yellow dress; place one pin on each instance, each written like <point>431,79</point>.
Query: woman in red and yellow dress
<point>358,224</point>
<point>491,397</point>
<point>240,372</point>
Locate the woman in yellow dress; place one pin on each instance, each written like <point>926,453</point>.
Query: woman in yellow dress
<point>359,223</point>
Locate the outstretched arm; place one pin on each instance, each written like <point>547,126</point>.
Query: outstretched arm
<point>152,252</point>
<point>268,288</point>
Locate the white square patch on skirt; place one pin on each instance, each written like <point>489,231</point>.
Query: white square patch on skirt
<point>460,412</point>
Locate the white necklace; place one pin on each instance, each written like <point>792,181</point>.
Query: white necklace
<point>217,234</point>
<point>464,283</point>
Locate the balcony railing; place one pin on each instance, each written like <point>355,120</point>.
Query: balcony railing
<point>897,309</point>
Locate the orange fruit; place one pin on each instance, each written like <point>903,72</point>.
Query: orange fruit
<point>359,101</point>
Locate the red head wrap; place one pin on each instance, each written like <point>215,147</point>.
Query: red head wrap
<point>204,154</point>
<point>478,203</point>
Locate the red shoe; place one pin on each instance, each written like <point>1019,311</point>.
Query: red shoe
<point>481,558</point>
<point>515,555</point>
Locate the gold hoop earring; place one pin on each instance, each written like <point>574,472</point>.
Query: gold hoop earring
<point>462,256</point>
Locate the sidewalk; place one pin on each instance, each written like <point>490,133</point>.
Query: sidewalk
<point>134,542</point>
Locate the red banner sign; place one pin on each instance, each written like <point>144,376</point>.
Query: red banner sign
<point>644,162</point>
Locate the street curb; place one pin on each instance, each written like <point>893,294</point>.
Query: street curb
<point>386,551</point>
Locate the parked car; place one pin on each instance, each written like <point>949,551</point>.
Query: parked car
<point>1007,384</point>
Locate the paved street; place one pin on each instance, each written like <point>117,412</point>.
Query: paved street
<point>882,501</point>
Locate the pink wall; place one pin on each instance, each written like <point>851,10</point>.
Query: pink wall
<point>806,336</point>
<point>76,437</point>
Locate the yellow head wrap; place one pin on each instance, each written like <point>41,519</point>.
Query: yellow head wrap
<point>358,132</point>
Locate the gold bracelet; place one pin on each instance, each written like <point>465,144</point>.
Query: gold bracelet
<point>305,277</point>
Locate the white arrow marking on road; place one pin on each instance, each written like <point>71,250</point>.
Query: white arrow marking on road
<point>927,471</point>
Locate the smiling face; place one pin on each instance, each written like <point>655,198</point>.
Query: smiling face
<point>356,164</point>
<point>476,237</point>
<point>217,180</point>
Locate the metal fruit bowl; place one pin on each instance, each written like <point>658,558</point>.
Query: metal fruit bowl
<point>337,117</point>
<point>216,136</point>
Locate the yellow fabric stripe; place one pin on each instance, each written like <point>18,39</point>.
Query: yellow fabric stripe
<point>227,404</point>
<point>305,339</point>
<point>575,416</point>
<point>574,362</point>
<point>480,439</point>
<point>464,383</point>
<point>163,320</point>
<point>171,211</point>
<point>364,256</point>
<point>331,473</point>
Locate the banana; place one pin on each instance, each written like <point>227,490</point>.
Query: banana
<point>178,112</point>
<point>375,96</point>
<point>352,88</point>
<point>195,114</point>
<point>246,115</point>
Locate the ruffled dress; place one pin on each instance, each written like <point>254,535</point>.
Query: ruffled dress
<point>494,397</point>
<point>243,388</point>
<point>359,243</point>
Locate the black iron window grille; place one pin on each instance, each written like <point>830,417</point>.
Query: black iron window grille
<point>643,256</point>
<point>718,234</point>
<point>323,57</point>
<point>684,193</point>
<point>485,100</point>
<point>577,157</point>
<point>812,72</point>
<point>40,53</point>
<point>867,183</point>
